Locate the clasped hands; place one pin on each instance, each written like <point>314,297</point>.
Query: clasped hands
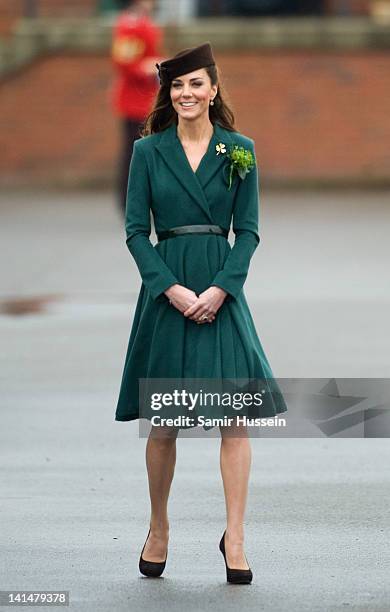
<point>197,307</point>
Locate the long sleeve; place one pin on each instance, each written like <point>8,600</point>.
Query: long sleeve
<point>156,275</point>
<point>245,227</point>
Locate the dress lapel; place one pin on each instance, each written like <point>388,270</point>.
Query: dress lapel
<point>211,162</point>
<point>173,154</point>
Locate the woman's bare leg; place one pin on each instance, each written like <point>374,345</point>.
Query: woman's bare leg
<point>160,463</point>
<point>235,461</point>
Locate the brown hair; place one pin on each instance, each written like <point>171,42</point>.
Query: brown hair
<point>163,114</point>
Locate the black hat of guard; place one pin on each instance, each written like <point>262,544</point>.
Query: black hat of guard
<point>185,61</point>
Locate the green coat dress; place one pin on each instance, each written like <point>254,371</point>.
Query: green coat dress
<point>163,343</point>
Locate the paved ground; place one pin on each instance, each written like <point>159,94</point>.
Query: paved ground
<point>74,499</point>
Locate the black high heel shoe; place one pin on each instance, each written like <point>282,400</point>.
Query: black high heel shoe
<point>153,569</point>
<point>236,576</point>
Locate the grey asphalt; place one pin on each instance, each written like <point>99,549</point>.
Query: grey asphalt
<point>74,497</point>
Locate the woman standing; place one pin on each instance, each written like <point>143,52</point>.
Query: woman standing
<point>192,320</point>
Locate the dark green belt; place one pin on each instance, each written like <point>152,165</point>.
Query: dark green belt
<point>192,229</point>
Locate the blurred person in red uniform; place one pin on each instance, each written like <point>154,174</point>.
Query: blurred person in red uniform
<point>135,50</point>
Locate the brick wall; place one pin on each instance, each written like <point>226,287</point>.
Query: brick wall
<point>313,115</point>
<point>67,8</point>
<point>12,10</point>
<point>355,7</point>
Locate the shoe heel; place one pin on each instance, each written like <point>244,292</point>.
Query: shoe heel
<point>152,569</point>
<point>234,576</point>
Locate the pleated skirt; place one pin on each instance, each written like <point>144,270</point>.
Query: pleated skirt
<point>164,344</point>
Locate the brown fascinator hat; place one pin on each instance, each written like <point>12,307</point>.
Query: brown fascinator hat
<point>185,61</point>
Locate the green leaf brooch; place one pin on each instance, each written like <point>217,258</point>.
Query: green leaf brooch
<point>241,161</point>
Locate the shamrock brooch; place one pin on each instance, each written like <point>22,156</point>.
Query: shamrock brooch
<point>220,148</point>
<point>241,160</point>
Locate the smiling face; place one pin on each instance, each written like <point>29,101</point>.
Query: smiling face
<point>191,94</point>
